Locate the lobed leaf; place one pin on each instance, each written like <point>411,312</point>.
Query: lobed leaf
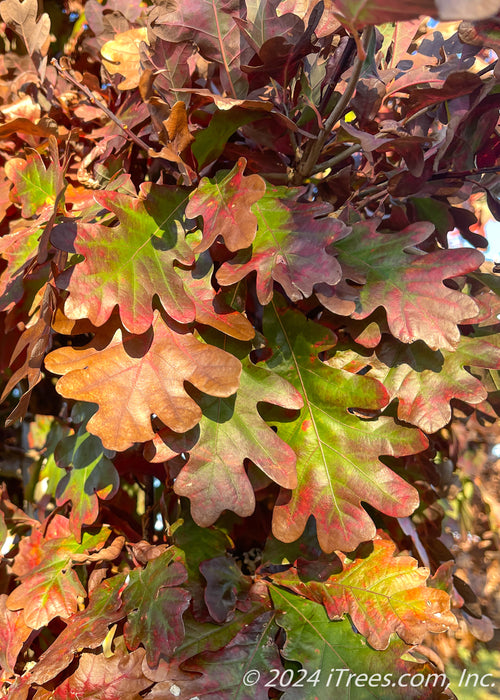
<point>90,475</point>
<point>290,246</point>
<point>86,629</point>
<point>49,587</point>
<point>232,430</point>
<point>148,373</point>
<point>225,206</point>
<point>121,55</point>
<point>154,603</point>
<point>253,648</point>
<point>148,240</point>
<point>338,453</point>
<point>97,677</point>
<point>382,594</point>
<point>320,644</point>
<point>35,186</point>
<point>13,634</point>
<point>409,283</point>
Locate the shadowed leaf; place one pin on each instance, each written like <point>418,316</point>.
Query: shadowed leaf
<point>338,463</point>
<point>232,430</point>
<point>382,594</point>
<point>155,603</point>
<point>148,373</point>
<point>147,241</point>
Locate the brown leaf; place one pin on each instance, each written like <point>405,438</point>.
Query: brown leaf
<point>36,340</point>
<point>148,373</point>
<point>177,130</point>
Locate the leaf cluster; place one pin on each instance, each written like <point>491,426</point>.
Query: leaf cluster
<point>238,341</point>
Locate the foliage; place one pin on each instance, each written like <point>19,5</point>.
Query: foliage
<point>243,355</point>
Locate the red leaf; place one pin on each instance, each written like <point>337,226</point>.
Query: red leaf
<point>155,603</point>
<point>232,430</point>
<point>118,677</point>
<point>409,284</point>
<point>290,246</point>
<point>13,634</point>
<point>381,593</point>
<point>49,587</point>
<point>226,208</point>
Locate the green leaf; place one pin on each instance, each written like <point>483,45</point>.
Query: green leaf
<point>149,238</point>
<point>338,463</point>
<point>408,283</point>
<point>49,586</point>
<point>35,186</point>
<point>382,594</point>
<point>347,665</point>
<point>232,430</point>
<point>209,143</point>
<point>90,475</point>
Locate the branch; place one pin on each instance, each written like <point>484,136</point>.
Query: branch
<point>314,148</point>
<point>319,167</point>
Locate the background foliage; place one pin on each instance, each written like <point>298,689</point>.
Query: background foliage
<point>250,392</point>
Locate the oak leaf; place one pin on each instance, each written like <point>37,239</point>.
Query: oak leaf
<point>13,634</point>
<point>148,373</point>
<point>423,381</point>
<point>89,476</point>
<point>121,55</point>
<point>231,431</point>
<point>49,586</point>
<point>381,593</point>
<point>213,308</point>
<point>23,17</point>
<point>253,648</point>
<point>225,205</point>
<point>155,602</point>
<point>290,246</point>
<point>35,185</point>
<point>85,629</point>
<point>408,283</point>
<point>317,642</point>
<point>338,453</point>
<point>118,677</point>
<point>144,246</point>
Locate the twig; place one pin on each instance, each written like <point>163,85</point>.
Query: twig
<point>319,167</point>
<point>314,148</point>
<point>67,74</point>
